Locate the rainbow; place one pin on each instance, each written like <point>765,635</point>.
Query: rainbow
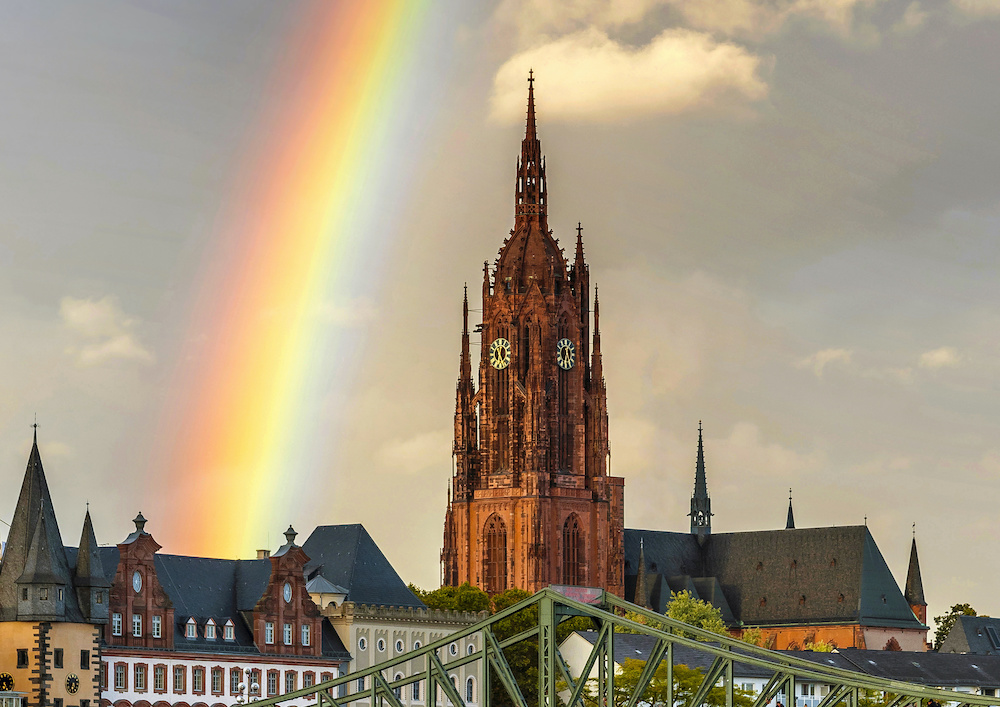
<point>299,237</point>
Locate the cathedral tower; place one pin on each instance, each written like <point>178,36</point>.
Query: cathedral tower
<point>531,502</point>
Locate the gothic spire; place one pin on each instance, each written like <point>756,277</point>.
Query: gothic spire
<point>914,586</point>
<point>790,521</point>
<point>465,367</point>
<point>597,366</point>
<point>641,590</point>
<point>579,263</point>
<point>701,504</point>
<point>530,192</point>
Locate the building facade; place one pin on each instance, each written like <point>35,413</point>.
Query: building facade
<point>531,502</point>
<point>184,631</point>
<point>52,605</point>
<point>799,586</point>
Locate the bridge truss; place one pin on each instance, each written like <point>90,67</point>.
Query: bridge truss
<point>606,611</point>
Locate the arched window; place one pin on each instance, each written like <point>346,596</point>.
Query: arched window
<point>572,552</point>
<point>470,690</point>
<point>495,555</point>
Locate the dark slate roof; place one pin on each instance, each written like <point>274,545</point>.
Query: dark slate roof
<point>805,575</point>
<point>34,504</point>
<point>934,669</point>
<point>89,570</point>
<point>971,634</point>
<point>347,555</point>
<point>639,646</point>
<point>931,669</point>
<point>206,588</point>
<point>914,591</point>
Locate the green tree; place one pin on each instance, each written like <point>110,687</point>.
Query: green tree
<point>683,607</point>
<point>754,636</point>
<point>462,598</point>
<point>696,612</point>
<point>686,682</point>
<point>946,622</point>
<point>819,646</point>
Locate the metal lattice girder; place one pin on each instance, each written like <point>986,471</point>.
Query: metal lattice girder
<point>607,613</point>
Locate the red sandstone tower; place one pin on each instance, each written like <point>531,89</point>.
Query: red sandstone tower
<point>531,502</point>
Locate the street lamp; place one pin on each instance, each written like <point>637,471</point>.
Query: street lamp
<point>248,690</point>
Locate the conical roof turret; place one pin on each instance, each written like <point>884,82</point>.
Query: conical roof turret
<point>89,569</point>
<point>914,585</point>
<point>34,548</point>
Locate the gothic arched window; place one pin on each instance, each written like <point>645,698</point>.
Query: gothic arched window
<point>572,552</point>
<point>495,555</point>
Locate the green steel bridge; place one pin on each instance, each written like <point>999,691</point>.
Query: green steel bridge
<point>606,612</point>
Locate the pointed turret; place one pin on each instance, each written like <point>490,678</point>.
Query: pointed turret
<point>914,593</point>
<point>465,366</point>
<point>701,504</point>
<point>641,590</point>
<point>597,366</point>
<point>35,553</point>
<point>790,521</point>
<point>580,279</point>
<point>89,579</point>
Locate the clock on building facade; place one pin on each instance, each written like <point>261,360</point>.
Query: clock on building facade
<point>532,501</point>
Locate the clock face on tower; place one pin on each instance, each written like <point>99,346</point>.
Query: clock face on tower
<point>6,682</point>
<point>565,354</point>
<point>500,354</point>
<point>72,684</point>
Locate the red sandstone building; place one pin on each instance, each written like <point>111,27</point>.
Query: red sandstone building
<point>532,502</point>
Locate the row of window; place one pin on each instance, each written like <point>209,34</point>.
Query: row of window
<point>190,628</point>
<point>380,646</point>
<point>57,658</point>
<point>288,632</point>
<point>415,691</point>
<point>179,674</point>
<point>43,594</point>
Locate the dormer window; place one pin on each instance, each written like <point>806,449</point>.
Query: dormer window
<point>210,630</point>
<point>229,631</point>
<point>191,629</point>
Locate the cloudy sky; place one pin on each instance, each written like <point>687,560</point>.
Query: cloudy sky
<point>790,208</point>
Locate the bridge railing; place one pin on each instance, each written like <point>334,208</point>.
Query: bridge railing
<point>606,611</point>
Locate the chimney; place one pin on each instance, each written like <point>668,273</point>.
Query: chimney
<point>263,554</point>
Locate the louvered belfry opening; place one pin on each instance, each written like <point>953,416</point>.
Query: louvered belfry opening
<point>495,557</point>
<point>573,552</point>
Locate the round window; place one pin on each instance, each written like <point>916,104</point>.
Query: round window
<point>362,644</point>
<point>399,646</point>
<point>453,649</point>
<point>471,649</point>
<point>380,644</point>
<point>416,645</point>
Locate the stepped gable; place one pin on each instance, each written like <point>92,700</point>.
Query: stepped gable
<point>34,524</point>
<point>205,587</point>
<point>346,555</point>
